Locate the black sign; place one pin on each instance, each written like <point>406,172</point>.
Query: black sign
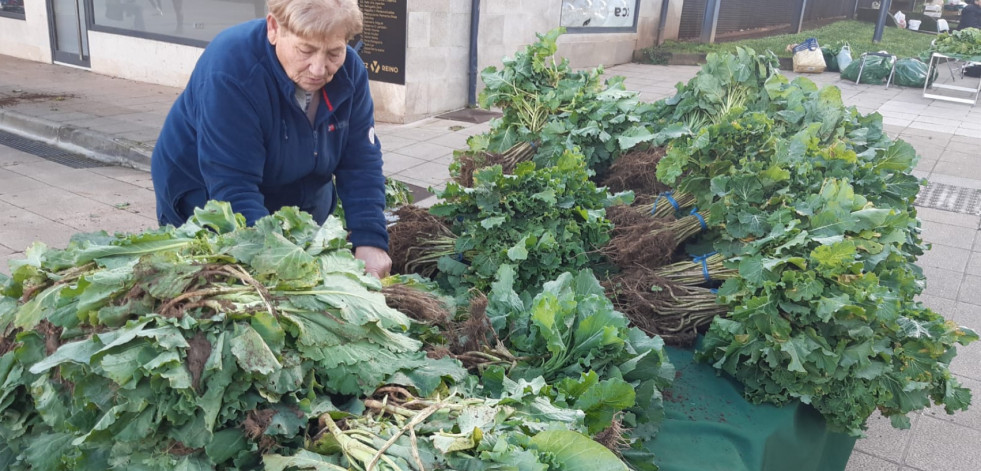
<point>383,40</point>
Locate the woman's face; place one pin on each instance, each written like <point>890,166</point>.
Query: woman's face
<point>310,62</point>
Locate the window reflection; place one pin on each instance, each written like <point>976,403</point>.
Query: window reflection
<point>15,7</point>
<point>194,19</point>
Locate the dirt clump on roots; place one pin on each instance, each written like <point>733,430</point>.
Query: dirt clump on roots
<point>473,333</point>
<point>256,422</point>
<point>637,171</point>
<point>675,312</point>
<point>414,224</point>
<point>468,163</point>
<point>198,352</point>
<point>419,305</point>
<point>636,239</point>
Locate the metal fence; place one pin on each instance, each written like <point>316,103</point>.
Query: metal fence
<point>739,18</point>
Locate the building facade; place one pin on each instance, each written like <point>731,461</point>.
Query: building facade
<point>423,55</point>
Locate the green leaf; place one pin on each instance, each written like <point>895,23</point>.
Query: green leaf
<point>251,352</point>
<point>572,451</point>
<point>302,460</point>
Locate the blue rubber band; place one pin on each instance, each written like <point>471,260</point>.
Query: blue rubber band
<point>703,260</point>
<point>666,195</point>
<point>459,257</point>
<point>714,291</point>
<point>694,212</point>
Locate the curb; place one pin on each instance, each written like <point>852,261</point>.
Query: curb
<point>91,144</point>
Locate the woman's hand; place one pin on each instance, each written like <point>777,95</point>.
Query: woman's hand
<point>376,261</point>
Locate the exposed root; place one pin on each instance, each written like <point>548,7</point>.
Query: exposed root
<point>417,304</point>
<point>637,240</point>
<point>612,437</point>
<point>473,334</point>
<point>637,171</point>
<point>467,163</point>
<point>414,225</point>
<point>675,312</point>
<point>256,422</point>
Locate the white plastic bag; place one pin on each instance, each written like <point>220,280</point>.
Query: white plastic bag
<point>844,57</point>
<point>900,19</point>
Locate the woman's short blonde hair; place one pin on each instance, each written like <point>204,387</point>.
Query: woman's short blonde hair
<point>318,18</point>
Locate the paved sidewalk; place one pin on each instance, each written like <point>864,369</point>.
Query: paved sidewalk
<point>115,120</point>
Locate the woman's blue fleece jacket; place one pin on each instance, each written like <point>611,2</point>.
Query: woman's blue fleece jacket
<point>237,134</point>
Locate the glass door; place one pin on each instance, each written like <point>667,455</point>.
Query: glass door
<point>69,32</point>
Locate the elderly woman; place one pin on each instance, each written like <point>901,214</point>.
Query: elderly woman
<point>275,112</point>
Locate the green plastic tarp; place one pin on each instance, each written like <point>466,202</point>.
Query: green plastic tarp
<point>709,426</point>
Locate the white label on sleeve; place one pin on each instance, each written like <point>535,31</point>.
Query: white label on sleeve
<point>371,135</point>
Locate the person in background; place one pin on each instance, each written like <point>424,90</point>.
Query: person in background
<point>275,111</point>
<point>970,16</point>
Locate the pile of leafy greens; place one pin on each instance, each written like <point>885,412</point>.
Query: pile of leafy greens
<point>813,206</point>
<point>216,345</point>
<point>964,44</point>
<point>598,363</point>
<point>544,101</point>
<point>549,220</point>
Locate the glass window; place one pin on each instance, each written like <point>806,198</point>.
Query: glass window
<point>599,15</point>
<point>12,9</point>
<point>192,21</point>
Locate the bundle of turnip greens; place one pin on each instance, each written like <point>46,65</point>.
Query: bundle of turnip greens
<point>219,346</point>
<point>813,205</point>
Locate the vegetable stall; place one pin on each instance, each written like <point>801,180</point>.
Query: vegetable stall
<point>599,268</point>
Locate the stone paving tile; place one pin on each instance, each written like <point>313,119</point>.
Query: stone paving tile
<point>52,203</point>
<point>78,181</point>
<point>860,461</point>
<point>974,264</point>
<point>414,134</point>
<point>927,151</point>
<point>942,283</point>
<point>110,219</point>
<point>395,162</point>
<point>19,228</point>
<point>946,179</point>
<point>947,217</point>
<point>948,234</point>
<point>941,138</point>
<point>946,257</point>
<point>13,182</point>
<point>966,363</point>
<point>971,290</point>
<point>123,174</point>
<point>940,447</point>
<point>426,151</point>
<point>882,440</point>
<point>961,167</point>
<point>390,143</point>
<point>431,173</point>
<point>455,140</point>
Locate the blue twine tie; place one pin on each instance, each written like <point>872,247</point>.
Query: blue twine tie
<point>703,260</point>
<point>694,212</point>
<point>666,195</point>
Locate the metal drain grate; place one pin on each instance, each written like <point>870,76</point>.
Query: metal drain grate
<point>48,152</point>
<point>951,198</point>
